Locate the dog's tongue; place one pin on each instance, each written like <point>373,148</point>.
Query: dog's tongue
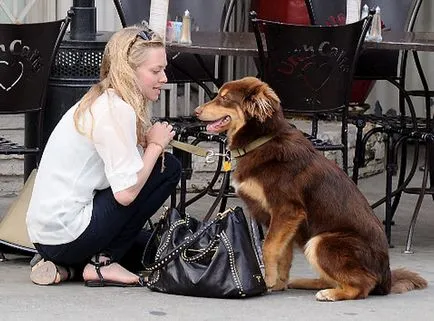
<point>216,125</point>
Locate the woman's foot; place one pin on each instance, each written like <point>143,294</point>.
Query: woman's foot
<point>47,273</point>
<point>110,274</point>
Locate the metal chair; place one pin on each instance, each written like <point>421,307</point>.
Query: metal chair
<point>387,65</point>
<point>311,69</point>
<point>27,52</point>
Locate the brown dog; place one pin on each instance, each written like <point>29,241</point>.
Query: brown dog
<point>302,197</point>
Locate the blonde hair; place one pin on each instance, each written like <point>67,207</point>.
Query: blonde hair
<point>123,54</point>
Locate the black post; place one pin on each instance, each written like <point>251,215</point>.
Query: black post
<point>83,23</point>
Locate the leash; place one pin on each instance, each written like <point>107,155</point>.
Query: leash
<point>192,149</point>
<point>210,155</point>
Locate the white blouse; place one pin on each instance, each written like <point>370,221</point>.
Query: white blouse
<point>74,166</point>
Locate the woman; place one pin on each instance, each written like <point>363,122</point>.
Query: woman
<point>101,176</point>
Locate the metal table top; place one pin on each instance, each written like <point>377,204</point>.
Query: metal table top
<point>244,44</point>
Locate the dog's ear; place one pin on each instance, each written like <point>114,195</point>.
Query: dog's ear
<point>261,101</point>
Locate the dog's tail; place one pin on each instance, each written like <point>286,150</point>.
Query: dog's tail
<point>404,281</point>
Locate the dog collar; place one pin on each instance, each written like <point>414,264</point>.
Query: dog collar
<point>238,152</point>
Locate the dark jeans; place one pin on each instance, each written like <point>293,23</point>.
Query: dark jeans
<point>117,230</point>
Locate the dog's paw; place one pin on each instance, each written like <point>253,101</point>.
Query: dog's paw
<point>270,281</point>
<point>278,285</point>
<point>281,285</point>
<point>325,295</point>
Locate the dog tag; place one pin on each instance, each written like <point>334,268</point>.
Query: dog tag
<point>227,166</point>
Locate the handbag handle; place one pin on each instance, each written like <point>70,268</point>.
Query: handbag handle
<point>189,240</point>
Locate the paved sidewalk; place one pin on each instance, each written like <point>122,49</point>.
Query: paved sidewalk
<point>21,300</point>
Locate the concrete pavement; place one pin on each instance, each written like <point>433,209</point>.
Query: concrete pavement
<point>21,300</point>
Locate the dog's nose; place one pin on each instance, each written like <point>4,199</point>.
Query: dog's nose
<point>197,111</point>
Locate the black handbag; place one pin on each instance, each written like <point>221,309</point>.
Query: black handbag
<point>213,258</point>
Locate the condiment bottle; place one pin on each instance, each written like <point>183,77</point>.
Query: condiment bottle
<point>186,28</point>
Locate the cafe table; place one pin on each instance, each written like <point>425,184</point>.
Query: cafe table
<point>244,43</point>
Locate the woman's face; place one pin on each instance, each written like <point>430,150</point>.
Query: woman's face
<point>150,73</point>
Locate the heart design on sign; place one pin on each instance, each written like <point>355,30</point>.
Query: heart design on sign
<point>316,74</point>
<point>6,70</point>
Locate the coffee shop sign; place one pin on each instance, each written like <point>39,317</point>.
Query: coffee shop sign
<point>299,57</point>
<point>13,59</point>
<point>17,49</point>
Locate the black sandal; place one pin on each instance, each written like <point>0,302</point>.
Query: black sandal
<point>95,261</point>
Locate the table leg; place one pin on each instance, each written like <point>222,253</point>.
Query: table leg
<point>410,234</point>
<point>430,150</point>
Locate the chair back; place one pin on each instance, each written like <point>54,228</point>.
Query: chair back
<point>396,15</point>
<point>182,67</point>
<point>310,67</point>
<point>26,54</point>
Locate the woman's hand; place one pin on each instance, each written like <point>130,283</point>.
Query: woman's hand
<point>161,133</point>
<point>156,140</point>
